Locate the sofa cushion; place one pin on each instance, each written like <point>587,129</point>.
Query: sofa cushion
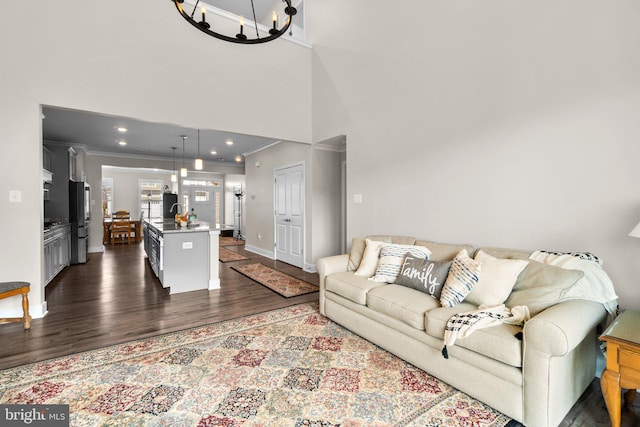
<point>497,342</point>
<point>443,251</point>
<point>496,280</point>
<point>397,240</point>
<point>463,276</point>
<point>401,303</point>
<point>505,253</point>
<point>424,275</point>
<point>350,286</point>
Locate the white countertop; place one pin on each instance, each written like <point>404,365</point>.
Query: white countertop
<point>170,226</point>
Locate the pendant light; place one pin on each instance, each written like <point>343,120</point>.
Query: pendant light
<point>198,159</point>
<point>183,170</point>
<point>174,176</point>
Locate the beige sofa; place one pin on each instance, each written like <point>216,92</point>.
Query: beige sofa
<point>534,377</point>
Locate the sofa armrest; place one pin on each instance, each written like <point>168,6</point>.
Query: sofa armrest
<point>327,266</point>
<point>560,328</point>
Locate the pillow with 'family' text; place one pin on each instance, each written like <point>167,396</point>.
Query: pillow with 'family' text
<point>391,259</point>
<point>424,275</point>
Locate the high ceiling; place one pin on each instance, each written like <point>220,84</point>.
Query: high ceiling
<point>99,134</point>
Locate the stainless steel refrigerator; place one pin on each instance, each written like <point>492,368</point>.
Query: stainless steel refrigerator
<point>80,219</point>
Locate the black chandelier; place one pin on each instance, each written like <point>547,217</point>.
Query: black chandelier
<point>241,37</point>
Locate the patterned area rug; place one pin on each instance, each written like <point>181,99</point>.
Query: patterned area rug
<point>285,285</point>
<point>226,255</point>
<point>289,367</point>
<point>230,241</point>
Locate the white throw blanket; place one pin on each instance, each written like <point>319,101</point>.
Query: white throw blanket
<point>594,286</point>
<point>462,325</point>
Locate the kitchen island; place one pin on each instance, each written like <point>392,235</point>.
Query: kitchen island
<point>184,258</point>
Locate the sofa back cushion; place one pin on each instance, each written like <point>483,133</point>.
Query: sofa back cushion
<point>505,253</point>
<point>443,251</point>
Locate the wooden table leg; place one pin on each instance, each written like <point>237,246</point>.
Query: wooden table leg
<point>26,318</point>
<point>630,396</point>
<point>610,383</point>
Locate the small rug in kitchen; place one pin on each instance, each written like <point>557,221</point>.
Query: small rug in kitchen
<point>288,367</point>
<point>230,241</point>
<point>282,283</point>
<point>227,255</point>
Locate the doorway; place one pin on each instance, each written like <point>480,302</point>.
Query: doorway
<point>204,197</point>
<point>289,214</point>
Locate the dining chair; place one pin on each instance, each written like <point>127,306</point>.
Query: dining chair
<point>121,227</point>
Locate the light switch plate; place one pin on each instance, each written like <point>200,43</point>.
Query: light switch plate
<point>15,196</point>
<point>357,198</point>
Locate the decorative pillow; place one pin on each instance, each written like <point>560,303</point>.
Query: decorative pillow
<point>369,261</point>
<point>391,259</point>
<point>424,275</point>
<point>463,276</point>
<point>540,286</point>
<point>358,244</point>
<point>498,278</point>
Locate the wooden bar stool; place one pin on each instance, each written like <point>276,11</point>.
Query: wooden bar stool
<point>10,289</point>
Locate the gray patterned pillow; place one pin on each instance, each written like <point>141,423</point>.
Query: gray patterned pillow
<point>424,275</point>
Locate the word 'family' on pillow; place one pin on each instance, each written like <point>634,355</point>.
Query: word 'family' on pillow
<point>369,261</point>
<point>499,275</point>
<point>463,276</point>
<point>391,259</point>
<point>424,275</point>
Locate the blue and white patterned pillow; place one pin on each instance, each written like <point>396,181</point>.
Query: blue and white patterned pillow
<point>463,276</point>
<point>391,260</point>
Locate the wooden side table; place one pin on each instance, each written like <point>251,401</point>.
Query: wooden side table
<point>623,362</point>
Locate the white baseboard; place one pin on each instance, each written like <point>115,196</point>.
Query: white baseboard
<point>12,307</point>
<point>214,284</point>
<point>310,268</point>
<point>94,249</point>
<point>263,252</point>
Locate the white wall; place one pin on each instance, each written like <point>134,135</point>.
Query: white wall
<point>135,59</point>
<point>497,123</point>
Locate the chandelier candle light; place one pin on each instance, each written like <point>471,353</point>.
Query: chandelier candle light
<point>241,38</point>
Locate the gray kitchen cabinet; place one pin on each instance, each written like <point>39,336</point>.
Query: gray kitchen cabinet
<point>57,250</point>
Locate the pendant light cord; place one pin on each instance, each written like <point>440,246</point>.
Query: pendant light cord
<point>255,21</point>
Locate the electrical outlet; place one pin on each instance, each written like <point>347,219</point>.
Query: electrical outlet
<point>187,245</point>
<point>259,236</point>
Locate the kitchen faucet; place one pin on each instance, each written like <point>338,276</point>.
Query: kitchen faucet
<point>176,205</point>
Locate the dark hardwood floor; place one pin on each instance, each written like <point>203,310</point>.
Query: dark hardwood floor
<point>115,298</point>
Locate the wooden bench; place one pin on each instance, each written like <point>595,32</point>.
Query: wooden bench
<point>10,289</point>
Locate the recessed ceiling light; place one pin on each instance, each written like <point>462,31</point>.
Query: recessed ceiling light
<point>238,159</point>
<point>122,142</point>
<point>229,142</point>
<point>121,129</point>
<point>214,152</point>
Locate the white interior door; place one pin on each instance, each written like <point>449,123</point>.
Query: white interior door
<point>289,212</point>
